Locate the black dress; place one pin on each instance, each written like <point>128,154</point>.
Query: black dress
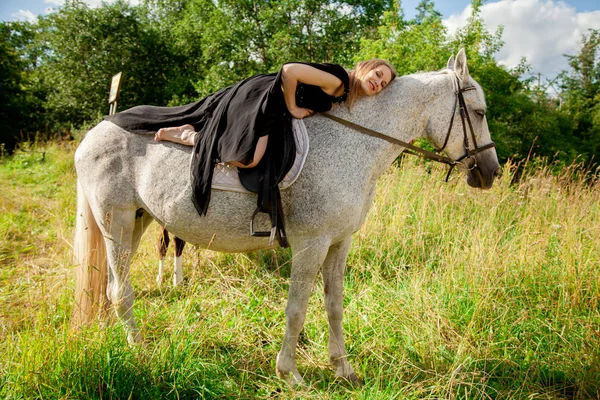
<point>229,124</point>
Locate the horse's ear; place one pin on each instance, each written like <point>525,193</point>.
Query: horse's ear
<point>450,64</point>
<point>460,66</point>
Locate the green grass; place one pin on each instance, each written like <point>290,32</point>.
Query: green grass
<point>451,292</point>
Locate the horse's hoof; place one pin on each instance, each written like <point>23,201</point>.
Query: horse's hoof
<point>351,380</point>
<point>293,379</point>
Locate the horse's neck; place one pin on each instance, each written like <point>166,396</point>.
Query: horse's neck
<point>401,111</point>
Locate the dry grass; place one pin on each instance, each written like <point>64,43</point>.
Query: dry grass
<point>450,293</point>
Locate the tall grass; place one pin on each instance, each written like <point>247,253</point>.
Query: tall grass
<point>451,292</point>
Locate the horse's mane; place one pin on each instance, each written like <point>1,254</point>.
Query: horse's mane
<point>442,71</point>
<point>447,71</point>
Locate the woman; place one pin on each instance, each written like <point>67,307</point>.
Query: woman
<point>369,77</point>
<point>234,125</point>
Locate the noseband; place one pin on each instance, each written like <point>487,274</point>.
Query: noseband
<point>417,151</point>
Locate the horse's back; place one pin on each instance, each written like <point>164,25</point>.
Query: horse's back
<point>133,172</point>
<point>128,171</point>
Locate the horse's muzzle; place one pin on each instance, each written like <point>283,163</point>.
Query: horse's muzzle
<point>483,173</point>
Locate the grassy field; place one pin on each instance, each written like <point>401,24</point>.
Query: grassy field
<point>451,293</point>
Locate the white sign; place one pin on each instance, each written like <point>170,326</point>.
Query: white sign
<point>114,88</point>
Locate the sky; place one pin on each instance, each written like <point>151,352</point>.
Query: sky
<point>542,31</point>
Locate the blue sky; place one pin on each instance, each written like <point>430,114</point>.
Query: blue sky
<point>541,31</point>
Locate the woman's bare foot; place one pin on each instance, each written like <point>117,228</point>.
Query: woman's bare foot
<point>180,134</point>
<point>163,134</point>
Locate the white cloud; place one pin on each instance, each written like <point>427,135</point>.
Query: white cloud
<point>540,30</point>
<point>25,15</point>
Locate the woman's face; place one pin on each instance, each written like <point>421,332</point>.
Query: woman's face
<point>375,80</point>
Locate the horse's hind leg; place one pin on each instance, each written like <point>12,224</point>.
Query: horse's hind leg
<point>334,268</point>
<point>142,221</point>
<point>122,237</point>
<point>178,273</point>
<point>163,244</point>
<point>306,262</point>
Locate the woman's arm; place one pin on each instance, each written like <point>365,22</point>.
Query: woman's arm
<point>293,73</point>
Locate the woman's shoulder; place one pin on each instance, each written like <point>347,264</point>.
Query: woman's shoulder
<point>338,71</point>
<point>334,69</point>
<point>342,74</point>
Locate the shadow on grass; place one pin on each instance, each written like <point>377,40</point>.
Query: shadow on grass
<point>97,365</point>
<point>566,385</point>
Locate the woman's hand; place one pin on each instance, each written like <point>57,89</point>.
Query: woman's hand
<point>299,112</point>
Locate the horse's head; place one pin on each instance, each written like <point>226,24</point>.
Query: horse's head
<point>461,132</point>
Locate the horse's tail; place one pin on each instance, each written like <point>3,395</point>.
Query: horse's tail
<point>90,256</point>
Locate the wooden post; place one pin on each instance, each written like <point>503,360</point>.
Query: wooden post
<point>115,87</point>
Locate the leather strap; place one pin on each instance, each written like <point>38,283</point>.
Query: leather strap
<point>371,132</point>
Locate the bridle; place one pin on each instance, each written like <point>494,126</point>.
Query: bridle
<point>417,151</point>
<point>464,115</point>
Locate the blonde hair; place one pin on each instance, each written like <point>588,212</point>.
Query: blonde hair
<point>362,69</point>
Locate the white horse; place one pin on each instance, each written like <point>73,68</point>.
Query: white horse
<point>127,180</point>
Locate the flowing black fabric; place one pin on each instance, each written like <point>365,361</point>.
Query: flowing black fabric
<point>230,122</point>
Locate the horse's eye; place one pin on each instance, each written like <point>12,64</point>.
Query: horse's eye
<point>481,112</point>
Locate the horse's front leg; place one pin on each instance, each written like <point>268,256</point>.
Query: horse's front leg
<point>306,262</point>
<point>334,268</point>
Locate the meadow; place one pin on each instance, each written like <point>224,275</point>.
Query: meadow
<point>451,293</point>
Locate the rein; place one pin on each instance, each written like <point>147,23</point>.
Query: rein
<point>417,151</point>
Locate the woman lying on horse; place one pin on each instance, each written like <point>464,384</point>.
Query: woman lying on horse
<point>369,78</point>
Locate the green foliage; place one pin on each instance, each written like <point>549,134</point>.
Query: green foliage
<point>581,94</point>
<point>233,39</point>
<point>479,44</point>
<point>23,37</point>
<point>411,46</point>
<point>12,95</point>
<point>88,46</point>
<point>56,72</point>
<point>522,120</point>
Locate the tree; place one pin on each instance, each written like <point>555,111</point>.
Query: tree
<point>234,39</point>
<point>85,48</point>
<point>581,95</point>
<point>411,46</point>
<point>12,96</point>
<point>477,41</point>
